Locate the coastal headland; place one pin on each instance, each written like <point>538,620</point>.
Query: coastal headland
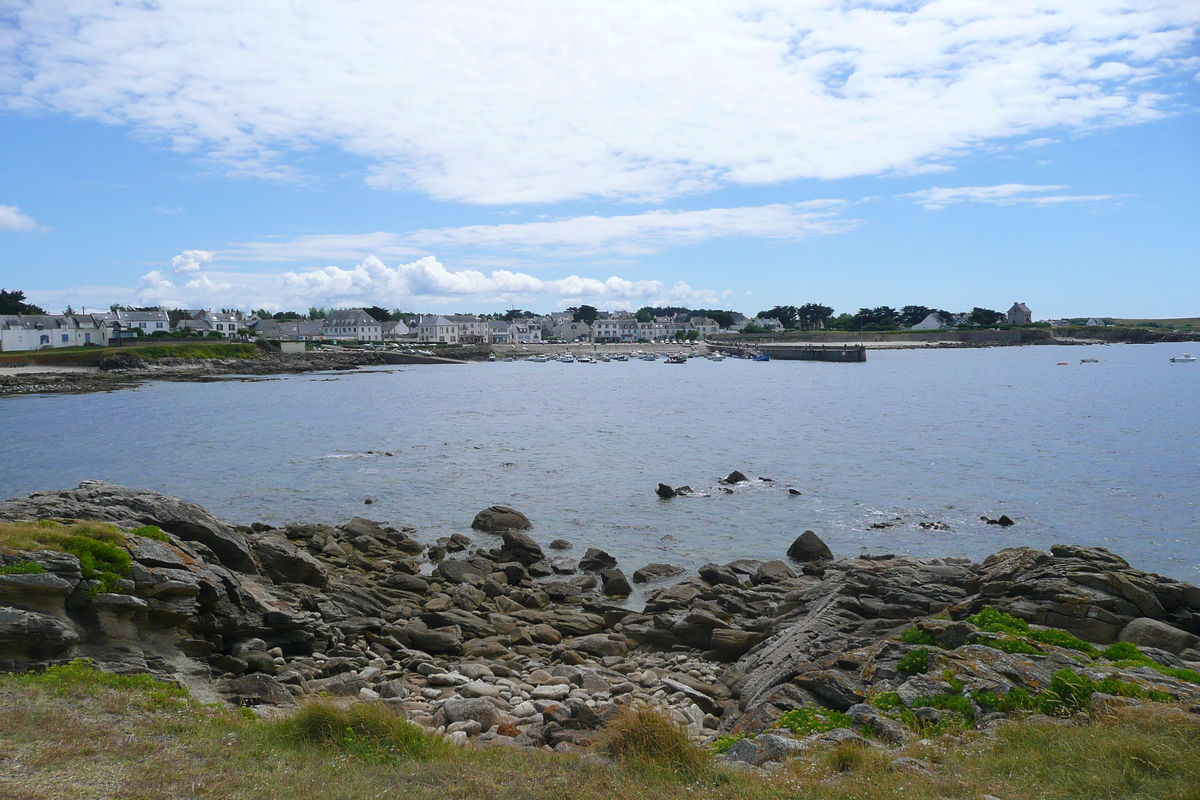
<point>497,638</point>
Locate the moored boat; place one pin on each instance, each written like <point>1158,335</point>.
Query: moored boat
<point>1186,358</point>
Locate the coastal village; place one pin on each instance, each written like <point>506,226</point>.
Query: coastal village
<point>40,331</point>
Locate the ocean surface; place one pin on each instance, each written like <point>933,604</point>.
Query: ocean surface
<point>901,454</point>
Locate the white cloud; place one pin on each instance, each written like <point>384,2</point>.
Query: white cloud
<point>12,219</point>
<point>419,283</point>
<point>631,234</point>
<point>1003,195</point>
<point>191,260</point>
<point>546,100</point>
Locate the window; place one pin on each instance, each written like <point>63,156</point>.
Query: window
<point>66,338</point>
<point>158,324</point>
<point>45,339</point>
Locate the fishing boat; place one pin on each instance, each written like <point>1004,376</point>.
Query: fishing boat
<point>762,357</point>
<point>620,357</point>
<point>716,357</point>
<point>676,359</point>
<point>538,359</point>
<point>491,356</point>
<point>1183,359</point>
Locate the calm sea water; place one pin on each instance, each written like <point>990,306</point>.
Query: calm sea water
<point>1105,454</point>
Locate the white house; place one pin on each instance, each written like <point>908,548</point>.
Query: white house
<point>1019,314</point>
<point>524,333</point>
<point>615,330</point>
<point>705,326</point>
<point>205,322</point>
<point>437,329</point>
<point>770,323</point>
<point>498,332</point>
<point>146,322</point>
<point>932,322</point>
<point>393,331</point>
<point>47,331</point>
<point>471,329</point>
<point>571,331</point>
<point>1095,322</point>
<point>352,323</point>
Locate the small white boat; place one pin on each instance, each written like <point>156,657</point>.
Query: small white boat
<point>538,359</point>
<point>1183,359</point>
<point>491,356</point>
<point>620,357</point>
<point>716,357</point>
<point>568,359</point>
<point>1089,361</point>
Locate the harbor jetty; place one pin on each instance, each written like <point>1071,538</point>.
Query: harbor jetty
<point>833,353</point>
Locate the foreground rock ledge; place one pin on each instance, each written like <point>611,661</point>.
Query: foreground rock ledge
<point>496,642</point>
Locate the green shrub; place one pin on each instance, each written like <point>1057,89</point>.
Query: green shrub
<point>1010,645</point>
<point>811,719</point>
<point>369,732</point>
<point>721,744</point>
<point>914,662</point>
<point>915,635</point>
<point>1188,675</point>
<point>1063,639</point>
<point>151,532</point>
<point>647,741</point>
<point>948,702</point>
<point>993,620</point>
<point>1125,651</point>
<point>22,568</point>
<point>887,701</point>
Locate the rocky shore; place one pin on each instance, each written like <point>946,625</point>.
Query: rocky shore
<point>501,640</point>
<point>122,371</point>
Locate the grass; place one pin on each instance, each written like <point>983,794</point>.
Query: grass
<point>91,356</point>
<point>100,547</point>
<point>195,350</point>
<point>71,733</point>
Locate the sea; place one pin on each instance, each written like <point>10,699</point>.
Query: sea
<point>906,453</point>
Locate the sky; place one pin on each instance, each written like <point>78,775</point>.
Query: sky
<point>468,156</point>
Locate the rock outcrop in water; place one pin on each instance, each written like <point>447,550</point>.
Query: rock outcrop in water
<point>499,643</point>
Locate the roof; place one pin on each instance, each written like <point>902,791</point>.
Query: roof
<point>349,317</point>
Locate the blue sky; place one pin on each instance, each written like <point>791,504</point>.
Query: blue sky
<point>466,157</point>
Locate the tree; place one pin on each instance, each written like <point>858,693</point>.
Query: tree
<point>911,315</point>
<point>177,315</point>
<point>985,317</point>
<point>513,313</point>
<point>379,313</point>
<point>586,314</point>
<point>880,318</point>
<point>14,303</point>
<point>317,313</point>
<point>813,315</point>
<point>286,315</point>
<point>644,314</point>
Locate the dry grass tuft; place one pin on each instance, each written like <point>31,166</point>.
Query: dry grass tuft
<point>649,741</point>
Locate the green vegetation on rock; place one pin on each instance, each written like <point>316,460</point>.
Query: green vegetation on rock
<point>811,719</point>
<point>915,635</point>
<point>650,744</point>
<point>914,662</point>
<point>22,568</point>
<point>370,732</point>
<point>100,547</point>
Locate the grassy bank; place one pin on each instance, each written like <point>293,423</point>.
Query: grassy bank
<point>75,733</point>
<point>92,356</point>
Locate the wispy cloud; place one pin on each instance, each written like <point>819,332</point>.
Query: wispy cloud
<point>1005,194</point>
<point>547,100</point>
<point>13,219</point>
<point>624,235</point>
